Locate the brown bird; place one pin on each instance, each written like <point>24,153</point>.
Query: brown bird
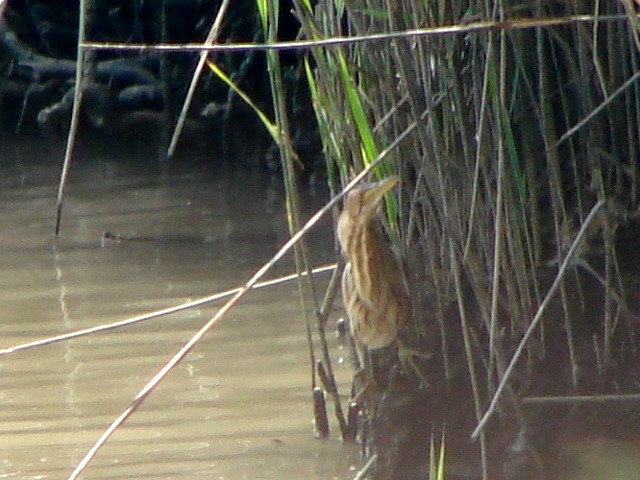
<point>374,288</point>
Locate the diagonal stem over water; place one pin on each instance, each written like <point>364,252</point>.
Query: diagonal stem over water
<point>212,37</point>
<point>182,353</point>
<point>534,323</point>
<point>155,314</point>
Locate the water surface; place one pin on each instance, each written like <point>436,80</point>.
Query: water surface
<point>237,407</point>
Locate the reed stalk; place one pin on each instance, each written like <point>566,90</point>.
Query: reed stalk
<point>523,134</point>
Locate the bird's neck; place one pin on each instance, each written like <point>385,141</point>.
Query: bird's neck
<point>366,254</point>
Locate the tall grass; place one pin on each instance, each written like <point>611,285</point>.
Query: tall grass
<point>269,17</point>
<point>509,139</point>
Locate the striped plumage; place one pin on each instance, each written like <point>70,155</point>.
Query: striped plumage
<point>373,286</point>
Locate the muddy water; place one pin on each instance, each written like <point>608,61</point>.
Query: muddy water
<point>237,407</point>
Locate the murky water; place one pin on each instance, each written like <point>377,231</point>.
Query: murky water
<point>238,407</point>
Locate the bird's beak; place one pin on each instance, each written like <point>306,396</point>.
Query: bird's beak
<point>374,192</point>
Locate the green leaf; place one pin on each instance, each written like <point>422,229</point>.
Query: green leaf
<point>441,459</point>
<point>307,4</point>
<point>369,147</point>
<point>432,459</point>
<point>328,138</point>
<point>264,15</point>
<point>271,127</point>
<point>436,472</point>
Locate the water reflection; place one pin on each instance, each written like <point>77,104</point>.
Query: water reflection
<point>238,407</point>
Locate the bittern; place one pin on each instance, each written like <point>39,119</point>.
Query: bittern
<point>374,289</point>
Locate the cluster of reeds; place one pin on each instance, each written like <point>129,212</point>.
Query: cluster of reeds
<point>514,127</point>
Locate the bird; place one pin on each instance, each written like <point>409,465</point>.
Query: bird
<point>374,287</point>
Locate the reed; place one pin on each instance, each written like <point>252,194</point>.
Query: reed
<point>510,137</point>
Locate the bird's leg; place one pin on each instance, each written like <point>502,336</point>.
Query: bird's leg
<point>370,370</point>
<point>366,370</point>
<point>361,365</point>
<point>365,365</point>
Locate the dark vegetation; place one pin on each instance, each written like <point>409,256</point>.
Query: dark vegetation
<point>129,92</point>
<point>517,146</point>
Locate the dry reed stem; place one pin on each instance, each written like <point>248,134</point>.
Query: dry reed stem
<point>550,294</point>
<point>212,37</point>
<point>473,27</point>
<point>157,313</point>
<point>75,115</point>
<point>601,106</point>
<point>578,399</point>
<point>322,317</point>
<point>471,368</point>
<point>362,473</point>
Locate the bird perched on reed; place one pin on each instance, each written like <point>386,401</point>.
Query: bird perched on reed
<point>374,288</point>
